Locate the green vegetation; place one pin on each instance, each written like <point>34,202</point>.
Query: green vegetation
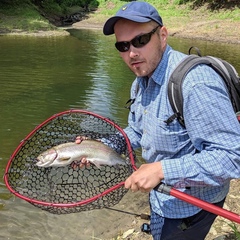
<point>235,231</point>
<point>216,8</point>
<point>32,15</point>
<point>24,16</point>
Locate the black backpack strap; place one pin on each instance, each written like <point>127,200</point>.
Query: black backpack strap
<point>178,75</point>
<point>224,69</point>
<point>175,87</point>
<point>230,78</point>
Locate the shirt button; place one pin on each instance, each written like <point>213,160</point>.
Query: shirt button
<point>145,111</point>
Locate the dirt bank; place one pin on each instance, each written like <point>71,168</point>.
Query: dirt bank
<point>194,27</point>
<point>222,229</point>
<point>53,33</point>
<point>227,31</point>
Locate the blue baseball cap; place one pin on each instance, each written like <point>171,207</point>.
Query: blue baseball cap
<point>140,12</point>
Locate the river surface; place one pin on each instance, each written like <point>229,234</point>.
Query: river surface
<point>43,76</point>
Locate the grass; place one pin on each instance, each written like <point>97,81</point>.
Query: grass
<point>109,8</point>
<point>233,226</point>
<point>24,17</point>
<point>173,8</point>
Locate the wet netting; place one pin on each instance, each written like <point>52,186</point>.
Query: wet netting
<point>68,189</point>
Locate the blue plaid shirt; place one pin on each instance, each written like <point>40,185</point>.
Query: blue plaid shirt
<point>199,160</point>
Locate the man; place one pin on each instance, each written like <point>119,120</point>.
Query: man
<point>199,160</point>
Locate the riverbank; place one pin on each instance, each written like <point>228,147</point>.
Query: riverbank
<point>222,228</point>
<point>193,26</point>
<point>198,23</point>
<point>225,31</point>
<point>52,33</point>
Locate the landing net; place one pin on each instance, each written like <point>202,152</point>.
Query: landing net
<point>66,189</point>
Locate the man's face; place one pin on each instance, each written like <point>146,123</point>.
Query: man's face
<point>144,60</point>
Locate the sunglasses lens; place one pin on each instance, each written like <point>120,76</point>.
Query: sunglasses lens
<point>142,40</point>
<point>122,46</point>
<point>137,42</point>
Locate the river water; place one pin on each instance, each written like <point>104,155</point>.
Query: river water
<point>43,76</point>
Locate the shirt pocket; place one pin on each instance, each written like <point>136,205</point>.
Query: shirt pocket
<point>169,140</point>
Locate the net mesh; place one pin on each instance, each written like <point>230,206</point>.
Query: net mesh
<point>65,189</point>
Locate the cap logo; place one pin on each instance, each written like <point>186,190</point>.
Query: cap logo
<point>124,8</point>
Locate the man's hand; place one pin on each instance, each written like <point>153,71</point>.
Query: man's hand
<point>145,178</point>
<point>83,162</point>
<point>79,139</point>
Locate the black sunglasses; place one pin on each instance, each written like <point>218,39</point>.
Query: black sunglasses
<point>137,42</point>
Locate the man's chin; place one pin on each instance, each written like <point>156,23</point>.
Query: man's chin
<point>139,72</point>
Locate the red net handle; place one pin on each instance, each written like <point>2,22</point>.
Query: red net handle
<point>198,202</point>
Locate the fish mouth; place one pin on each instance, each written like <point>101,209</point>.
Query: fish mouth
<point>42,163</point>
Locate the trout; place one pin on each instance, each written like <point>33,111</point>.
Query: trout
<point>94,151</point>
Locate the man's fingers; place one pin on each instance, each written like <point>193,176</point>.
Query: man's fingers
<point>130,185</point>
<point>79,139</point>
<point>145,178</point>
<point>83,163</point>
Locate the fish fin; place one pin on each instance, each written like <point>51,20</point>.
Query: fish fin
<point>117,166</point>
<point>64,158</point>
<point>97,165</point>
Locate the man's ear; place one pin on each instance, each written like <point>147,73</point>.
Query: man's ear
<point>164,35</point>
